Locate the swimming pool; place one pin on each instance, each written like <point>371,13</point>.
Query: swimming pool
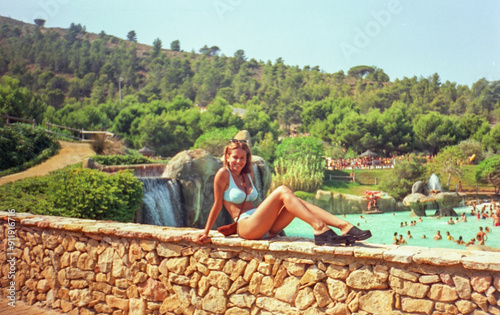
<point>384,225</point>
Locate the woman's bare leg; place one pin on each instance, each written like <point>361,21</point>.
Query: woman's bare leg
<point>282,221</point>
<point>271,214</point>
<point>328,218</point>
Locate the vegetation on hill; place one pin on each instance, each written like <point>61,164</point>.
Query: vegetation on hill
<point>171,100</point>
<point>152,96</point>
<point>23,147</point>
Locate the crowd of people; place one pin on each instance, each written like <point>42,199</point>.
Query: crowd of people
<point>360,163</point>
<point>369,162</point>
<point>486,212</point>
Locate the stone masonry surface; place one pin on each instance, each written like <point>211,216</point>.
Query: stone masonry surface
<point>78,266</point>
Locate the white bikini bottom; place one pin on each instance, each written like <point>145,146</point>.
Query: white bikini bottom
<point>246,215</point>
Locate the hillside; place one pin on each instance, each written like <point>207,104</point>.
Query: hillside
<point>167,98</point>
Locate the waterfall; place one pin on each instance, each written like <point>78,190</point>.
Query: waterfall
<point>162,202</point>
<point>434,183</point>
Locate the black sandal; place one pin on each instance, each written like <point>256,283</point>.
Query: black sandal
<point>359,235</point>
<point>331,238</point>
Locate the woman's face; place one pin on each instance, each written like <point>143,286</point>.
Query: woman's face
<point>237,159</point>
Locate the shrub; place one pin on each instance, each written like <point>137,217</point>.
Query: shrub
<point>76,192</point>
<point>122,159</point>
<point>300,164</point>
<point>398,181</point>
<point>86,193</point>
<point>23,147</point>
<point>488,171</point>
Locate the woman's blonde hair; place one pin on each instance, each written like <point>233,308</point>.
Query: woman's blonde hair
<point>238,145</point>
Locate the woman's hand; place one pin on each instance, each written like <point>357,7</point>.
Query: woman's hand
<point>202,238</point>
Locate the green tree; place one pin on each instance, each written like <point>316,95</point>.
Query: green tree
<point>165,133</point>
<point>434,131</point>
<point>350,131</point>
<point>265,148</point>
<point>491,141</point>
<point>471,147</point>
<point>175,45</point>
<point>398,135</point>
<point>398,181</point>
<point>19,101</point>
<point>132,36</point>
<point>360,71</point>
<point>447,163</point>
<point>215,140</point>
<point>126,123</point>
<point>156,48</point>
<point>488,171</point>
<point>220,115</point>
<point>39,22</point>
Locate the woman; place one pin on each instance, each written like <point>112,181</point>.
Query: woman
<point>233,188</point>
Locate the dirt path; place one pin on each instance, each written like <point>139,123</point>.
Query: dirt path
<point>70,153</point>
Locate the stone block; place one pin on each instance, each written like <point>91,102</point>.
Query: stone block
<point>255,283</point>
<point>417,305</point>
<point>275,306</point>
<point>465,306</point>
<point>320,292</point>
<point>312,276</point>
<point>480,300</point>
<point>250,269</point>
<point>365,280</point>
<point>242,300</point>
<point>337,289</point>
<point>442,293</point>
<point>463,287</point>
<point>296,269</point>
<point>288,291</point>
<point>403,274</point>
<point>446,308</point>
<point>177,265</point>
<point>267,286</point>
<point>412,289</point>
<point>80,297</point>
<point>438,257</point>
<point>377,302</point>
<point>480,283</point>
<point>429,279</point>
<point>168,250</point>
<point>215,301</point>
<point>337,272</point>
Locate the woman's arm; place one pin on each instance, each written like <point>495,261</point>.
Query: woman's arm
<point>221,181</point>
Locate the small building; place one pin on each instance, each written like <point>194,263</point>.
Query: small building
<point>147,152</point>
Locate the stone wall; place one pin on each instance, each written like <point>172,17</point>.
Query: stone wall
<point>88,267</point>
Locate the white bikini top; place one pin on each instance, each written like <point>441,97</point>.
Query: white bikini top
<point>235,195</point>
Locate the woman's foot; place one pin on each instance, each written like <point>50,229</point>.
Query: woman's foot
<point>331,238</point>
<point>359,235</point>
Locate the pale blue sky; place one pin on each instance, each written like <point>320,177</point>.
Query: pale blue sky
<point>458,39</point>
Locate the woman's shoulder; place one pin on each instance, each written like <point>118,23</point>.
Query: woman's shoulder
<point>222,174</point>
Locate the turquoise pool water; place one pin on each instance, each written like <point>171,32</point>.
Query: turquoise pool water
<point>384,225</point>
